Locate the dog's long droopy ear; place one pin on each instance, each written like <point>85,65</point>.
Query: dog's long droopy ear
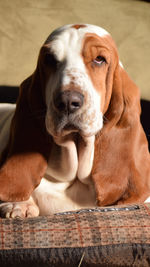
<point>24,161</point>
<point>121,170</point>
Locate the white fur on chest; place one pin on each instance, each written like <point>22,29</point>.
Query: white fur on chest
<point>67,184</point>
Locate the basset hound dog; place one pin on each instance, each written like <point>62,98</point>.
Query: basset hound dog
<point>74,139</point>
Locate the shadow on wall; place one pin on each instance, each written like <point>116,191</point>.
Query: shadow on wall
<point>9,94</point>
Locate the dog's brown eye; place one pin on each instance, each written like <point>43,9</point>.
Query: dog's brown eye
<point>99,60</point>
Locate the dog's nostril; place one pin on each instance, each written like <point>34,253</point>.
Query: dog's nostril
<point>75,104</point>
<point>68,101</point>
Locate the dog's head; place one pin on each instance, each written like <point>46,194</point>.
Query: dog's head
<point>78,63</point>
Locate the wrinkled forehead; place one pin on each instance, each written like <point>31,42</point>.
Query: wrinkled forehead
<point>70,38</point>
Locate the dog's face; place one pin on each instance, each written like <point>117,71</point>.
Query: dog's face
<point>79,57</point>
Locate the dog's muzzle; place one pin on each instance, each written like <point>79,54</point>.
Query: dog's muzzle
<point>73,111</point>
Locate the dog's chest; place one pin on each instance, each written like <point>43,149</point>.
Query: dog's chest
<point>67,184</point>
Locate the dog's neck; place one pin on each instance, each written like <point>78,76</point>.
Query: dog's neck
<point>71,157</point>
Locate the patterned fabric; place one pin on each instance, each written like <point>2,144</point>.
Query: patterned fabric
<point>112,236</point>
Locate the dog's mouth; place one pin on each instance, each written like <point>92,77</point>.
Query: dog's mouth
<point>64,128</point>
<point>71,128</point>
<point>84,123</point>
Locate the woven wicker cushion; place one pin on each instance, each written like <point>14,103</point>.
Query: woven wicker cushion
<point>112,236</point>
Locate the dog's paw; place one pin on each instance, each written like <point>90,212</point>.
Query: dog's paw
<point>19,210</point>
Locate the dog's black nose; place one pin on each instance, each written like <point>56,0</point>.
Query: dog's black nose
<point>68,101</point>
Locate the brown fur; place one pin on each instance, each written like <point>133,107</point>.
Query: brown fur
<point>121,169</point>
<point>24,161</point>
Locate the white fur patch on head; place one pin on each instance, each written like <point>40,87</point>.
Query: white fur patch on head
<point>66,44</point>
<point>72,38</point>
